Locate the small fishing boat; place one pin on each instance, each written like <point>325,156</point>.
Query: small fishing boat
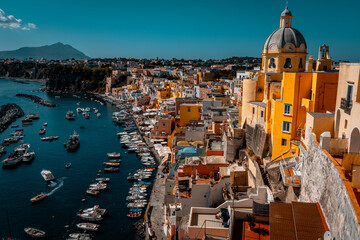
<point>70,115</point>
<point>111,169</point>
<point>45,124</point>
<point>135,209</point>
<point>68,165</point>
<point>92,192</point>
<point>14,126</point>
<point>28,157</point>
<point>134,214</point>
<point>47,175</point>
<point>42,131</point>
<point>102,179</point>
<point>95,209</point>
<point>88,226</point>
<point>92,217</point>
<point>112,164</point>
<point>113,155</point>
<point>115,160</point>
<point>73,142</point>
<point>38,198</point>
<point>80,236</point>
<point>98,115</point>
<point>35,233</point>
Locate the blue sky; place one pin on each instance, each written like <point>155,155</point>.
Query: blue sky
<point>182,29</point>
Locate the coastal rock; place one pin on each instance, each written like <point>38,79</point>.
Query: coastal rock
<point>37,99</point>
<point>8,114</point>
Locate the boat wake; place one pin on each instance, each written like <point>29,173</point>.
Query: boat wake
<point>59,183</point>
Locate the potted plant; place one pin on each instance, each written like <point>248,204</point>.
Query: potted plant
<point>250,218</point>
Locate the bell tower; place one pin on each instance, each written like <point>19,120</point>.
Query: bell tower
<point>285,18</point>
<point>324,61</point>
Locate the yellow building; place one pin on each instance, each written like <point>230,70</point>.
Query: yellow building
<point>165,92</point>
<point>188,112</point>
<point>278,98</point>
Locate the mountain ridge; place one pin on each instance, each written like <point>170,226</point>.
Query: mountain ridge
<point>56,51</point>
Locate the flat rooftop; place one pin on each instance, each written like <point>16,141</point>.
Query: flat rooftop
<point>211,222</point>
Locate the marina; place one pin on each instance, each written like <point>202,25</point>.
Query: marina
<point>83,184</point>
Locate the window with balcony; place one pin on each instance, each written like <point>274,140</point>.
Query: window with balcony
<point>286,127</point>
<point>287,109</point>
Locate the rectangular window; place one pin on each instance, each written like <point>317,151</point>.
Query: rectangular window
<point>189,109</point>
<point>283,142</point>
<point>262,114</point>
<point>253,110</point>
<point>163,125</point>
<point>345,127</point>
<point>349,92</point>
<point>287,109</point>
<point>286,126</point>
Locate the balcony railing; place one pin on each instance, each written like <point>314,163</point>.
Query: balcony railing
<point>346,104</point>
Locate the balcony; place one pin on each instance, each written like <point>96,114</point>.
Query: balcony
<point>346,104</point>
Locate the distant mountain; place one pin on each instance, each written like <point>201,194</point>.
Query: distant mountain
<point>56,51</point>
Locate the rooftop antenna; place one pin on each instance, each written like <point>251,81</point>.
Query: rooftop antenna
<point>286,2</point>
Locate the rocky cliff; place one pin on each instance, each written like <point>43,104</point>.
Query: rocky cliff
<point>8,114</point>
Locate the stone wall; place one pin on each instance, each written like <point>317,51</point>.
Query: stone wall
<point>322,182</point>
<point>256,139</point>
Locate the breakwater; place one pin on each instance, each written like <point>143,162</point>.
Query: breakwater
<point>37,99</point>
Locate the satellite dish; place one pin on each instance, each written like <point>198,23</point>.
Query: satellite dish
<point>327,235</point>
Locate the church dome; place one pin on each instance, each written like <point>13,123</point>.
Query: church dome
<point>283,36</point>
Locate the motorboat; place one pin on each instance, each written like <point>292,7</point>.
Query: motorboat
<point>95,209</point>
<point>14,126</point>
<point>47,175</point>
<point>87,115</point>
<point>38,198</point>
<point>88,226</point>
<point>35,233</point>
<point>68,165</point>
<point>111,169</point>
<point>28,157</point>
<point>42,131</point>
<point>79,110</point>
<point>92,192</point>
<point>92,217</point>
<point>45,124</point>
<point>112,164</point>
<point>70,115</point>
<point>16,157</point>
<point>98,115</point>
<point>97,187</point>
<point>73,142</point>
<point>115,160</point>
<point>113,155</point>
<point>102,179</point>
<point>80,236</point>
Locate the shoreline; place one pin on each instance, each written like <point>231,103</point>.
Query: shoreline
<point>24,79</point>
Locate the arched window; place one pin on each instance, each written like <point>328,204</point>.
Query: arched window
<point>288,63</point>
<point>272,63</point>
<point>301,65</point>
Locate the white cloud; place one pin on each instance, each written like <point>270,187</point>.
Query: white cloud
<point>9,21</point>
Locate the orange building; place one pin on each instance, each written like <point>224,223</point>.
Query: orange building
<point>188,112</point>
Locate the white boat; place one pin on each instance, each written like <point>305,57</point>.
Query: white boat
<point>47,175</point>
<point>88,226</point>
<point>113,155</point>
<point>79,236</point>
<point>92,217</point>
<point>96,209</point>
<point>103,179</point>
<point>28,157</point>
<point>79,110</point>
<point>98,115</point>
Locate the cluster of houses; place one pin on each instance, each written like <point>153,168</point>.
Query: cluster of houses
<point>273,153</point>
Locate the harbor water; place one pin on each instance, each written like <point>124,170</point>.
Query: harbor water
<point>19,184</point>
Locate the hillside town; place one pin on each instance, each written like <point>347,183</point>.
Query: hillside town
<point>250,148</point>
